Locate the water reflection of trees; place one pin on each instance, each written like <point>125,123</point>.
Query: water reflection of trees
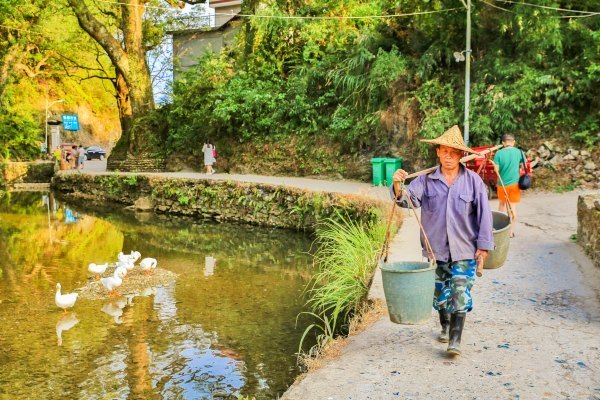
<point>32,262</point>
<point>248,307</point>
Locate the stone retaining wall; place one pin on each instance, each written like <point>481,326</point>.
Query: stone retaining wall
<point>259,204</point>
<point>578,167</point>
<point>28,172</point>
<point>588,226</point>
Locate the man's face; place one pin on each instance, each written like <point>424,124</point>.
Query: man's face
<point>449,156</point>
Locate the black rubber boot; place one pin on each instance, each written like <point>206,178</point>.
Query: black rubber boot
<point>457,323</point>
<point>445,322</point>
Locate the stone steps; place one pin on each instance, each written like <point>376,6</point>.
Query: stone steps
<point>138,163</point>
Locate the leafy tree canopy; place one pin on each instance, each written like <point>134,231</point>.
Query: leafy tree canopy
<point>358,81</point>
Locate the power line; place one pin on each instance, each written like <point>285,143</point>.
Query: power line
<point>333,17</point>
<point>499,8</point>
<point>590,14</point>
<point>293,16</point>
<point>546,7</point>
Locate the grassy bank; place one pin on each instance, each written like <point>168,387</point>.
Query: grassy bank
<point>347,258</point>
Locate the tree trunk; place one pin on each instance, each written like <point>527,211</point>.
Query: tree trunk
<point>249,7</point>
<point>133,82</point>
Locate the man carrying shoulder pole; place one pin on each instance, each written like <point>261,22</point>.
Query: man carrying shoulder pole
<point>457,219</point>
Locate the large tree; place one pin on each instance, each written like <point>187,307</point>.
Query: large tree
<point>133,83</point>
<point>126,33</point>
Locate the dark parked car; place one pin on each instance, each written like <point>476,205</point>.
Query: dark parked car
<point>95,152</point>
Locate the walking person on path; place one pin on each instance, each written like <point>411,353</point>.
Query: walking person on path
<point>507,162</point>
<point>209,156</point>
<point>80,157</point>
<point>57,155</point>
<point>456,217</point>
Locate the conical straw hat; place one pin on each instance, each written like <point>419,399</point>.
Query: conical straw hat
<point>451,138</point>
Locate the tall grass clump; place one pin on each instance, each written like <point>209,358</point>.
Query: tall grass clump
<point>347,256</point>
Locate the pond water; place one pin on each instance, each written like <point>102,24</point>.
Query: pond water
<point>222,329</point>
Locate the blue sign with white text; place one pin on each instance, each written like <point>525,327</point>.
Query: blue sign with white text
<point>70,122</point>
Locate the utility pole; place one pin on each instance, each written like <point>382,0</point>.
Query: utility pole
<point>48,149</point>
<point>467,72</point>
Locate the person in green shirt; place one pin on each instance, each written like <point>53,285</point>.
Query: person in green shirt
<point>57,154</point>
<point>507,162</point>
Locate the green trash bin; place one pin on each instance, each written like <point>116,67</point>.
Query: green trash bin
<point>378,171</point>
<point>391,166</point>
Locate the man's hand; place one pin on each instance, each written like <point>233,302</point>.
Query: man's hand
<point>481,253</point>
<point>480,256</point>
<point>399,176</point>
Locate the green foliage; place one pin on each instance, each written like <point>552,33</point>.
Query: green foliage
<point>43,56</point>
<point>567,188</point>
<point>20,135</point>
<point>130,180</point>
<point>531,74</point>
<point>2,177</point>
<point>116,184</point>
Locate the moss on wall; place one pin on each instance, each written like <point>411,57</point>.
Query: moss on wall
<point>254,203</point>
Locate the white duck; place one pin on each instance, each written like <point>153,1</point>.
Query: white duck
<point>97,269</point>
<point>125,258</point>
<point>66,322</point>
<point>148,265</point>
<point>134,256</point>
<point>64,301</point>
<point>123,263</point>
<point>111,283</point>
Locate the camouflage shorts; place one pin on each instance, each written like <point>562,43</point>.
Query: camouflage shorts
<point>453,283</point>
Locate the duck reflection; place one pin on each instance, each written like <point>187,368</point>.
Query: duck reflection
<point>115,307</point>
<point>209,266</point>
<point>66,322</point>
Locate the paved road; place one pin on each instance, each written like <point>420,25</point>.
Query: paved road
<point>533,334</point>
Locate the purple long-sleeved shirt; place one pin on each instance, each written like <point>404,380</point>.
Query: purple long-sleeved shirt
<point>457,219</point>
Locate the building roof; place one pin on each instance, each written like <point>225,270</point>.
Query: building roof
<point>204,29</point>
<point>223,3</point>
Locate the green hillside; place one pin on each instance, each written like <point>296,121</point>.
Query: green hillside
<point>324,92</point>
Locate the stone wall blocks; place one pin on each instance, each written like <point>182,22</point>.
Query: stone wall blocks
<point>588,226</point>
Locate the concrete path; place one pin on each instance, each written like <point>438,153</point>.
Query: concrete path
<point>97,167</point>
<point>534,332</point>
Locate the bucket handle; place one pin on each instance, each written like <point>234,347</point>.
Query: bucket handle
<point>399,188</point>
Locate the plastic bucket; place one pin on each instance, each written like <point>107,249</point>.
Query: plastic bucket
<point>408,288</point>
<point>496,258</point>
